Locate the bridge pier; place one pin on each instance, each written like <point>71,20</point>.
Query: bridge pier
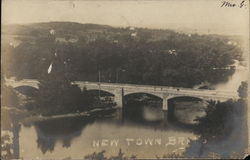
<point>165,109</point>
<point>165,104</point>
<point>118,99</point>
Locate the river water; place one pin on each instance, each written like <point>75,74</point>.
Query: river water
<point>144,142</point>
<point>241,74</point>
<point>145,137</point>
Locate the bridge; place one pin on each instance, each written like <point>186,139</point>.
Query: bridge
<point>119,90</point>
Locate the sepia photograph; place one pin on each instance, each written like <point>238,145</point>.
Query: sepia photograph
<point>124,79</point>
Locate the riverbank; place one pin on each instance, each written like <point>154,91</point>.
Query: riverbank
<point>69,115</point>
<point>12,118</point>
<point>37,118</point>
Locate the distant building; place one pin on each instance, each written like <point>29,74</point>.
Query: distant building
<point>15,43</point>
<point>229,42</point>
<point>170,51</point>
<point>132,28</point>
<point>134,34</point>
<point>232,43</point>
<point>64,40</point>
<point>52,32</point>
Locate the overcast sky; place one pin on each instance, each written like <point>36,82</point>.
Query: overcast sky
<point>200,15</point>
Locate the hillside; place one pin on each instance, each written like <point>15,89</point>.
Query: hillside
<point>61,27</point>
<point>124,55</point>
<point>90,32</point>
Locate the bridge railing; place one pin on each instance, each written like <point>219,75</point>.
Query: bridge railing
<point>144,87</point>
<point>155,88</point>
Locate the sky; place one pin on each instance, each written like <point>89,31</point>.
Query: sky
<point>198,15</point>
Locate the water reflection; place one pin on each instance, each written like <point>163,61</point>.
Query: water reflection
<point>140,134</point>
<point>142,108</point>
<point>188,112</point>
<point>63,129</point>
<point>102,131</point>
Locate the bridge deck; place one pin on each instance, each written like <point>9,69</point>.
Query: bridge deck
<point>148,88</point>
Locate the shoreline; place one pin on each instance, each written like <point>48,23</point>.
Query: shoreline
<point>36,118</point>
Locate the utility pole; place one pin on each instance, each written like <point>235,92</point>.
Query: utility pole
<point>99,80</point>
<point>117,74</point>
<point>116,81</point>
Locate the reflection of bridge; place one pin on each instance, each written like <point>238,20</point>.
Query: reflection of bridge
<point>120,90</point>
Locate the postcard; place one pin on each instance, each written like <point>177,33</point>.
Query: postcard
<point>124,79</point>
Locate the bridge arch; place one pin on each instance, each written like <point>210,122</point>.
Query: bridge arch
<point>97,88</point>
<point>101,91</point>
<point>184,96</point>
<point>141,106</point>
<point>15,85</point>
<point>26,90</point>
<point>177,105</point>
<point>158,95</point>
<point>192,98</point>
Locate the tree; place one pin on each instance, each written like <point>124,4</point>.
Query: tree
<point>57,94</point>
<point>242,90</point>
<point>157,57</point>
<point>9,97</point>
<point>214,124</point>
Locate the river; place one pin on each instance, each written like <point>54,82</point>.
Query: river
<point>145,136</point>
<point>142,132</point>
<point>234,81</point>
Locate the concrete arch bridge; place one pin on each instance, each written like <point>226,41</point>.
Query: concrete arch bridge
<point>120,90</point>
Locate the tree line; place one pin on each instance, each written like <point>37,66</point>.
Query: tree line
<point>178,59</point>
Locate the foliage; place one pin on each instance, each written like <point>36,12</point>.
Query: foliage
<point>215,125</point>
<point>221,116</point>
<point>57,94</point>
<point>101,156</point>
<point>6,147</point>
<point>9,97</point>
<point>224,126</point>
<point>156,57</point>
<point>121,156</point>
<point>173,156</point>
<point>242,90</point>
